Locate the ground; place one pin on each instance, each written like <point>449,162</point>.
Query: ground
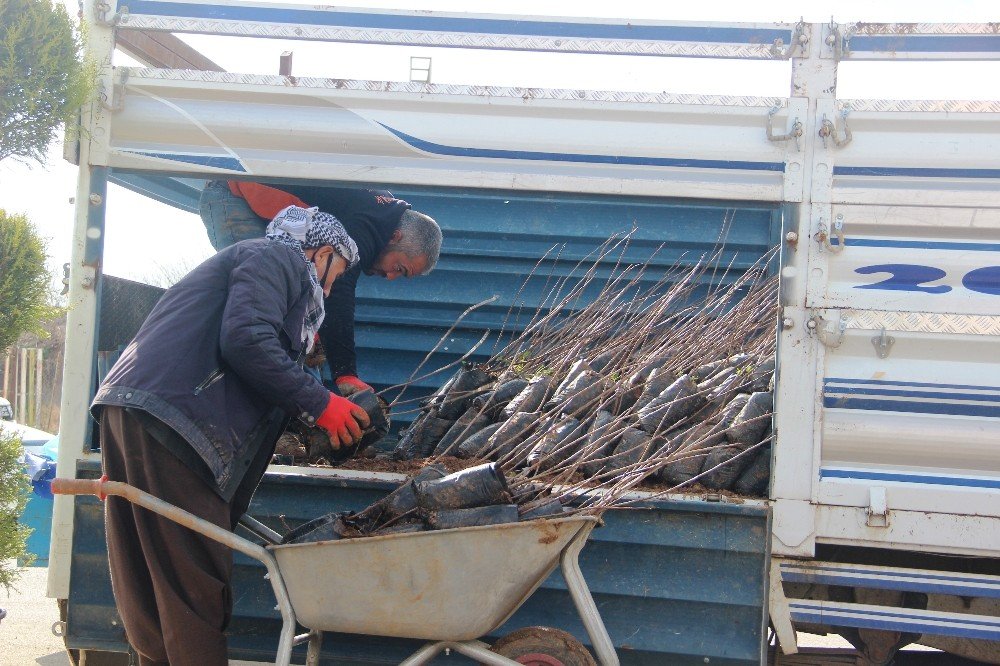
<point>26,633</point>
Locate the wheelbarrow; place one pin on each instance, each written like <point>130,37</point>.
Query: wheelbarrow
<point>448,587</point>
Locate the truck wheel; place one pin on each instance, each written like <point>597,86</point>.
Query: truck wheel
<point>543,646</point>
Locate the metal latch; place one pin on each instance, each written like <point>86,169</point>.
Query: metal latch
<point>799,41</point>
<point>65,280</point>
<point>830,333</point>
<point>836,40</point>
<point>878,507</point>
<point>829,129</point>
<point>794,133</point>
<point>106,18</point>
<point>883,344</point>
<point>117,101</point>
<point>825,233</point>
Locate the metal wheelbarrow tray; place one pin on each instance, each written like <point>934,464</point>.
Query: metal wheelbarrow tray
<point>448,587</point>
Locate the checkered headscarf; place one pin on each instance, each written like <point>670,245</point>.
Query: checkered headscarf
<point>307,228</point>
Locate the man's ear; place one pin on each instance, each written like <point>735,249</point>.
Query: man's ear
<point>397,236</point>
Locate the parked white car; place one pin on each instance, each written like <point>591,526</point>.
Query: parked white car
<point>32,439</point>
<point>6,411</point>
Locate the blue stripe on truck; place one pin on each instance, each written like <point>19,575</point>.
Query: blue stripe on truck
<point>458,24</point>
<point>462,151</point>
<point>901,405</point>
<point>900,477</point>
<point>893,382</point>
<point>914,172</point>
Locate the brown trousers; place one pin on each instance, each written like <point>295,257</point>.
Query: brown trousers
<point>171,584</point>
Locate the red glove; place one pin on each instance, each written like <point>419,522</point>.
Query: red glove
<point>349,385</point>
<point>343,420</point>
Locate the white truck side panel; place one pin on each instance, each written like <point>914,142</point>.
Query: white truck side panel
<point>610,143</point>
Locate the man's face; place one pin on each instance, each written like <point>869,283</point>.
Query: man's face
<point>392,264</point>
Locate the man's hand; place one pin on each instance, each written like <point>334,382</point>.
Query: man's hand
<point>343,421</point>
<point>349,385</point>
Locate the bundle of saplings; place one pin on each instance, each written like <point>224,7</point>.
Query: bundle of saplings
<point>653,387</point>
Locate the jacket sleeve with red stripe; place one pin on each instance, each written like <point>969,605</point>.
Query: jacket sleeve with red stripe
<point>263,200</point>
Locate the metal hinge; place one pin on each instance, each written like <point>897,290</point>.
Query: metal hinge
<point>877,513</point>
<point>793,134</point>
<point>883,344</point>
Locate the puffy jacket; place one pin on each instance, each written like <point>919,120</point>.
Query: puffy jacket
<point>219,352</point>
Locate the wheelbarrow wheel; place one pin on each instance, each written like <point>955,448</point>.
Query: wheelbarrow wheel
<point>543,646</point>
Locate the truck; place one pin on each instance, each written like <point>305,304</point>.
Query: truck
<point>882,520</point>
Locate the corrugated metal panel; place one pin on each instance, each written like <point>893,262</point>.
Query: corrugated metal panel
<point>493,240</point>
<point>682,582</point>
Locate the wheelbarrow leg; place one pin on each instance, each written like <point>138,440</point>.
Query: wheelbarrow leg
<point>584,602</point>
<point>315,647</point>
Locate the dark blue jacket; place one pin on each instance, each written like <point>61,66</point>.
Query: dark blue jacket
<point>219,352</point>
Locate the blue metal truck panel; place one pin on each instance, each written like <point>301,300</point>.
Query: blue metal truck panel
<point>495,239</point>
<point>675,581</point>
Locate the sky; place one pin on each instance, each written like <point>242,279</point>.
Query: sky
<point>151,242</point>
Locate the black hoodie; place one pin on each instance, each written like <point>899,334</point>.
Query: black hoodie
<point>370,217</point>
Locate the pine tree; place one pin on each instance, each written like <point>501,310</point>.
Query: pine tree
<point>43,81</point>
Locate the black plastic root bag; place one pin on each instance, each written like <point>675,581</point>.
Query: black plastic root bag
<point>754,479</point>
<point>478,444</point>
<point>724,464</point>
<point>492,403</point>
<point>400,528</point>
<point>599,444</point>
<point>419,440</point>
<point>495,514</point>
<point>602,362</point>
<point>678,400</point>
<point>468,424</point>
<point>579,393</point>
<point>482,485</point>
<point>541,508</point>
<point>657,382</point>
<point>703,372</point>
<point>510,436</point>
<point>404,498</point>
<point>691,453</point>
<point>762,374</point>
<point>460,395</point>
<point>378,413</point>
<point>325,528</point>
<point>530,398</point>
<point>558,443</point>
<point>634,446</point>
<point>752,422</point>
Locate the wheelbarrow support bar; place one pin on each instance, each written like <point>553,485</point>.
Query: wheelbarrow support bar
<point>585,606</point>
<point>102,488</point>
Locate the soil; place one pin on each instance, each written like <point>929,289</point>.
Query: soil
<point>407,467</point>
